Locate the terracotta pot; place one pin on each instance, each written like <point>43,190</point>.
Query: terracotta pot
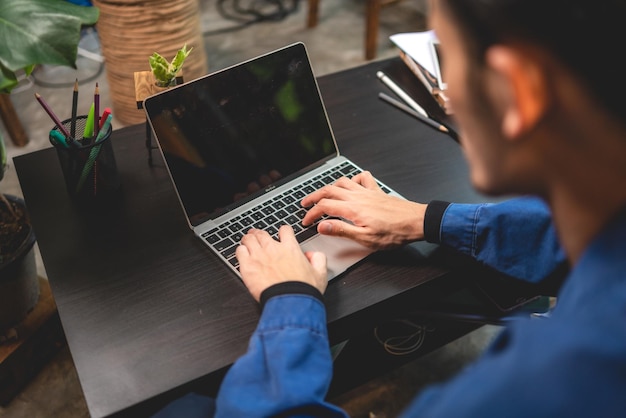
<point>19,283</point>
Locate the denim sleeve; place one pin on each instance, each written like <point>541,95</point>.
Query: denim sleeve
<point>516,237</point>
<point>288,366</point>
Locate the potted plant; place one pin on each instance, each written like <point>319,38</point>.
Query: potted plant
<point>19,283</point>
<point>27,42</point>
<point>165,72</point>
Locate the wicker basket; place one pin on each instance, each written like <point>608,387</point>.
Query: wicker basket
<point>132,30</point>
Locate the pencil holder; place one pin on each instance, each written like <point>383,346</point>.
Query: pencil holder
<point>88,164</point>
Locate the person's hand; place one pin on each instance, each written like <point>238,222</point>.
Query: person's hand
<point>375,219</point>
<point>264,262</point>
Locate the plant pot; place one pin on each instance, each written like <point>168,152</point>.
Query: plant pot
<point>130,31</point>
<point>19,283</point>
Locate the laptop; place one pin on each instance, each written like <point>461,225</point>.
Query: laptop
<point>244,145</point>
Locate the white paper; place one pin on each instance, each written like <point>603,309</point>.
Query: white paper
<point>417,46</point>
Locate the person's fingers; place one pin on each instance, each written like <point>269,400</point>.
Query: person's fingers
<point>255,239</point>
<point>338,228</point>
<point>263,237</point>
<point>265,180</point>
<point>252,187</point>
<point>328,200</point>
<point>317,260</point>
<point>286,234</point>
<point>311,199</point>
<point>241,252</point>
<point>366,180</point>
<point>318,263</point>
<point>274,174</point>
<point>330,207</point>
<point>336,191</point>
<point>250,240</point>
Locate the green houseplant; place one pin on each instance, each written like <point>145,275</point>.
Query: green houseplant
<point>39,32</point>
<point>165,72</point>
<point>33,32</point>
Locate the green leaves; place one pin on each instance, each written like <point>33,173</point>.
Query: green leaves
<point>39,32</point>
<point>160,68</point>
<point>164,71</point>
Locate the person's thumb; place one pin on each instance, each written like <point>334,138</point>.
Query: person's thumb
<point>318,262</point>
<point>334,227</point>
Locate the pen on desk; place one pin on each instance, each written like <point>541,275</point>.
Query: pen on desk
<point>74,109</point>
<point>54,117</point>
<point>468,317</point>
<point>401,93</point>
<point>413,113</point>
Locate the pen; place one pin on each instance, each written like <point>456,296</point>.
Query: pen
<point>74,108</point>
<point>105,128</point>
<point>413,113</point>
<point>93,154</point>
<point>407,99</point>
<point>105,114</point>
<point>469,317</point>
<point>54,117</point>
<point>58,138</point>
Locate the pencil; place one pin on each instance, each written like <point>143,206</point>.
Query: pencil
<point>96,110</point>
<point>407,109</point>
<point>54,117</point>
<point>74,109</point>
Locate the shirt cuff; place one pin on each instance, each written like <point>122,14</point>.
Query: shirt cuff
<point>290,288</point>
<point>432,220</point>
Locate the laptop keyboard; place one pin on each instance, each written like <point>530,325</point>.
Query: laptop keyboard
<point>283,209</point>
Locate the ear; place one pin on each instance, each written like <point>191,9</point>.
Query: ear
<point>526,98</point>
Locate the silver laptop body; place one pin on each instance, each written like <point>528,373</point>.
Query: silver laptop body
<point>243,145</point>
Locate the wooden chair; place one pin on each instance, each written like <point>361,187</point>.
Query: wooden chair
<point>372,15</point>
<point>12,123</point>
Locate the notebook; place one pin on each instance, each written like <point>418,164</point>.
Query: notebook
<point>244,145</point>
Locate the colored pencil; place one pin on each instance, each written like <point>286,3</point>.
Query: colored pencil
<point>54,117</point>
<point>96,112</point>
<point>432,123</point>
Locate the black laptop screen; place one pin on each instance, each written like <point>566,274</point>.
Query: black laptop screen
<point>234,134</point>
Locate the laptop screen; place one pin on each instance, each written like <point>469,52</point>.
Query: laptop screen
<point>232,135</point>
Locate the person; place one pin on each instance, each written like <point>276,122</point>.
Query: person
<point>537,90</point>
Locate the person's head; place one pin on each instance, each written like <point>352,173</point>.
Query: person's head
<point>518,69</point>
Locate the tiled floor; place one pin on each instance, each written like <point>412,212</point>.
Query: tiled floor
<point>336,44</point>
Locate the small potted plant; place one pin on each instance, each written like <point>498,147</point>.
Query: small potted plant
<point>165,72</point>
<point>25,45</point>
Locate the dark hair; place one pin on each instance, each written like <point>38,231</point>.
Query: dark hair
<point>587,36</point>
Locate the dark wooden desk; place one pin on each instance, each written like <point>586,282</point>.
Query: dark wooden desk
<point>146,308</point>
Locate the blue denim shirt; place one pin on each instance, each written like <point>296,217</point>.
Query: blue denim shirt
<point>515,237</point>
<point>570,365</point>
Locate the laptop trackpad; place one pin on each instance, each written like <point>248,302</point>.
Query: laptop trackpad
<point>341,253</point>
